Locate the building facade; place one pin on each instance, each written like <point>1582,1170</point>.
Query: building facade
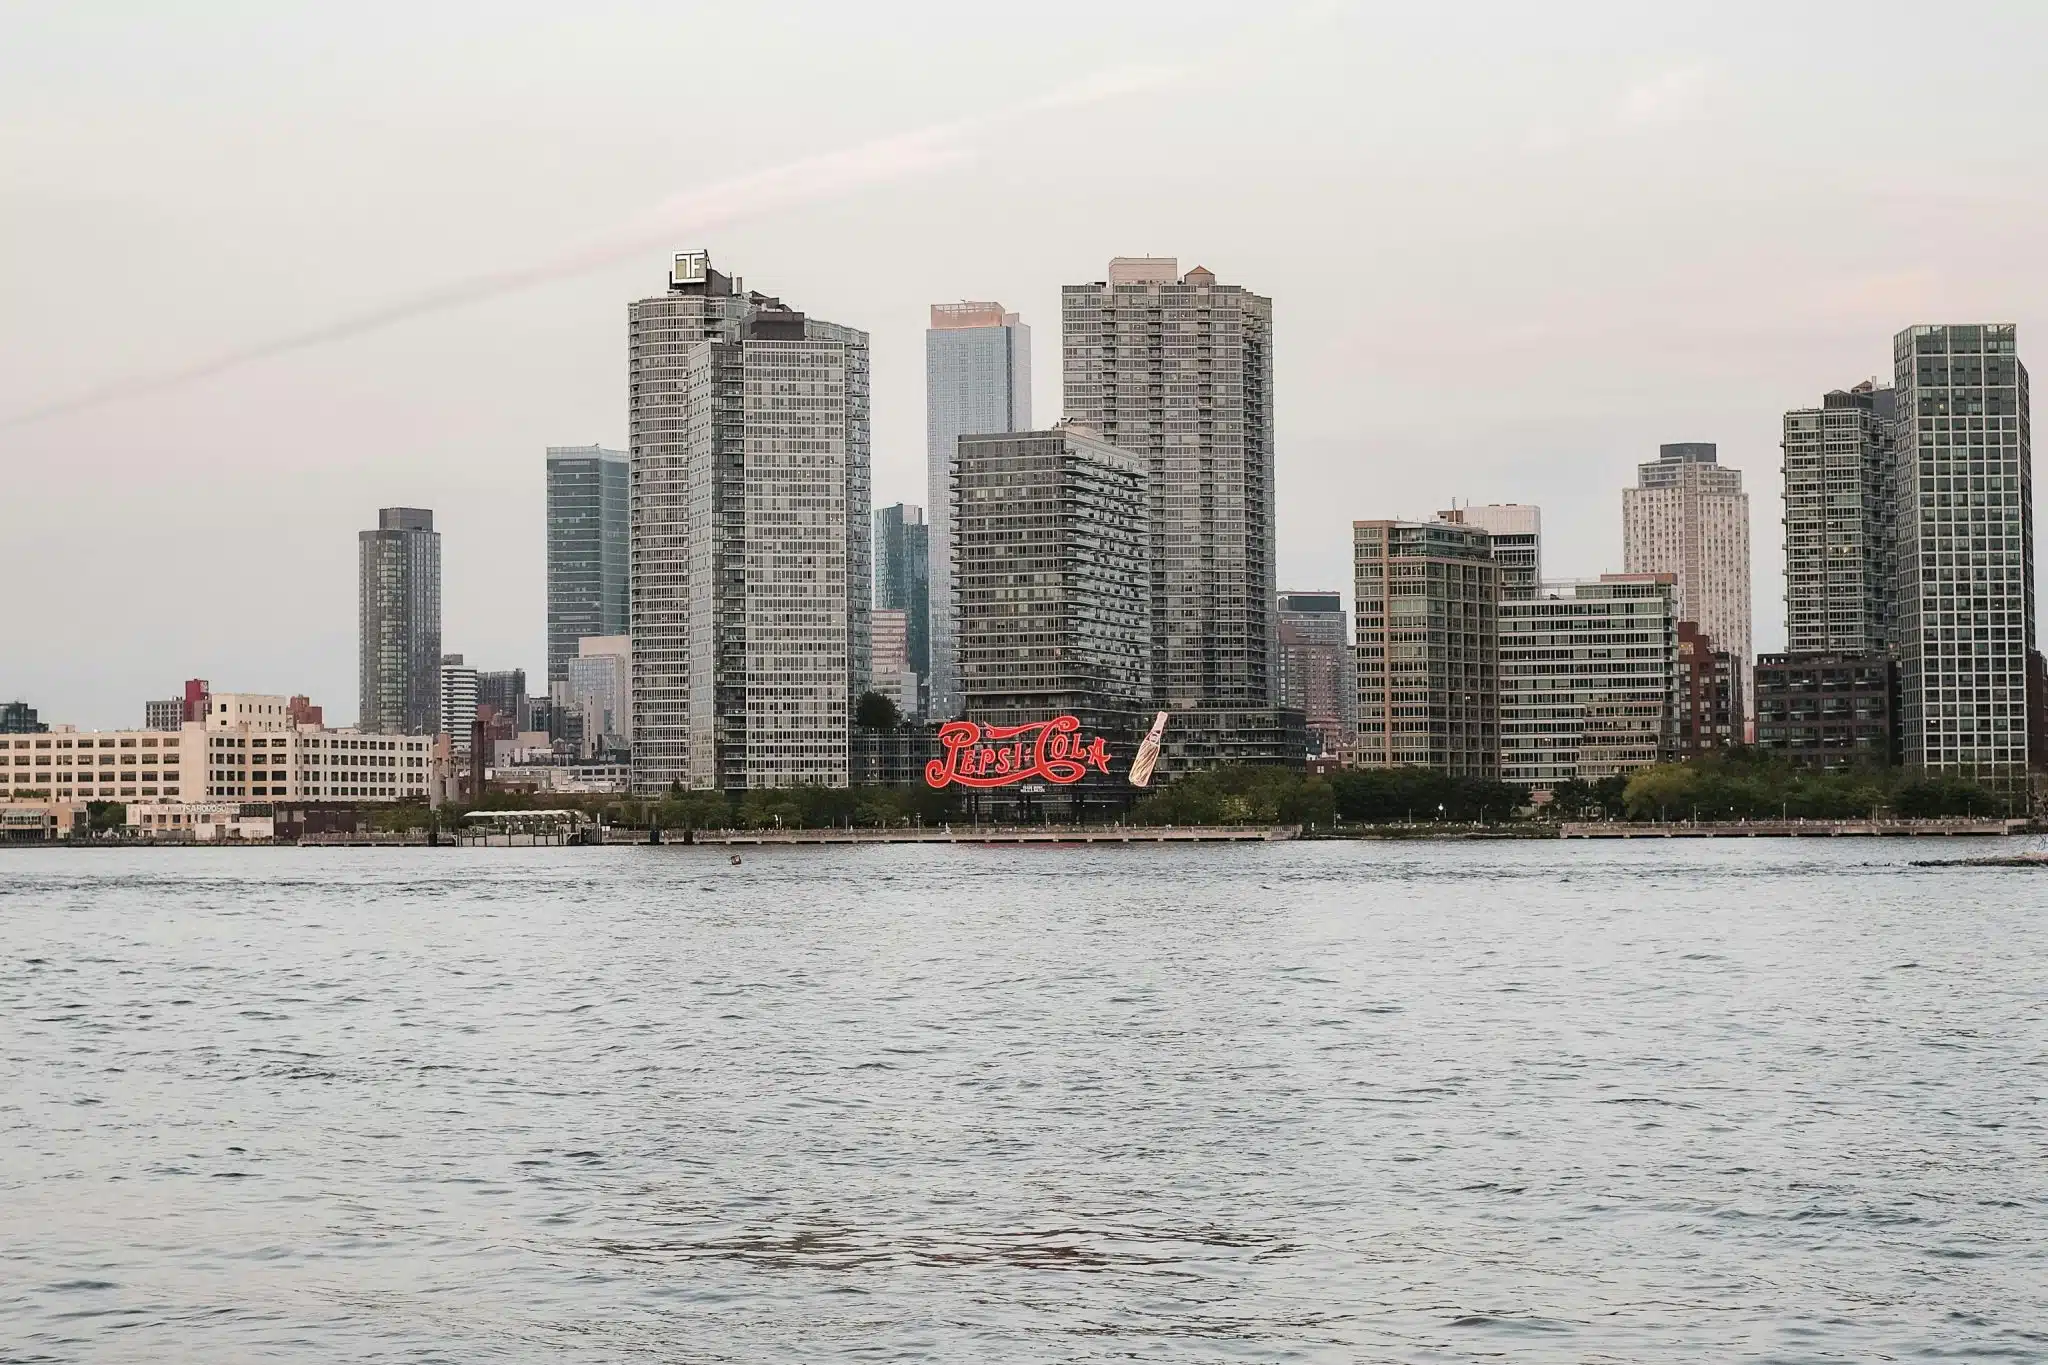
<point>889,648</point>
<point>1688,516</point>
<point>1710,703</point>
<point>1589,679</point>
<point>903,583</point>
<point>1964,559</point>
<point>19,718</point>
<point>1052,566</point>
<point>245,747</point>
<point>1839,526</point>
<point>399,640</point>
<point>588,549</point>
<point>1178,369</point>
<point>1828,710</point>
<point>503,691</point>
<point>1318,671</point>
<point>1517,531</point>
<point>750,536</point>
<point>1427,596</point>
<point>600,690</point>
<point>977,381</point>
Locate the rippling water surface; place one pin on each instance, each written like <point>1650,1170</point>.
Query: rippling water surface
<point>1650,1101</point>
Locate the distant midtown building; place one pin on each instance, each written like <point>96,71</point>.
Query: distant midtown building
<point>400,628</point>
<point>903,583</point>
<point>1427,596</point>
<point>1828,710</point>
<point>1053,571</point>
<point>503,693</point>
<point>1318,673</point>
<point>750,536</point>
<point>19,718</point>
<point>1710,703</point>
<point>1688,516</point>
<point>1589,679</point>
<point>589,547</point>
<point>165,714</point>
<point>458,701</point>
<point>1964,623</point>
<point>977,380</point>
<point>1178,369</point>
<point>1517,531</point>
<point>599,688</point>
<point>890,673</point>
<point>1840,529</point>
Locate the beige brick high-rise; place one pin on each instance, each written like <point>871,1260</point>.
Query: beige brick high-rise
<point>1688,516</point>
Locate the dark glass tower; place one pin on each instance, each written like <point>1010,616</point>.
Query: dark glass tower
<point>588,548</point>
<point>903,578</point>
<point>400,624</point>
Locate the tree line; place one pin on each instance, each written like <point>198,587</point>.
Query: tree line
<point>1742,784</point>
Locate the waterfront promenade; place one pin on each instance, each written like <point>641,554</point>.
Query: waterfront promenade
<point>1787,829</point>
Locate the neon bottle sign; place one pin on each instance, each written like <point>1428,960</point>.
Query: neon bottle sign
<point>978,755</point>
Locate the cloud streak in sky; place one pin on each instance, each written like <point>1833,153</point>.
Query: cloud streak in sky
<point>682,220</point>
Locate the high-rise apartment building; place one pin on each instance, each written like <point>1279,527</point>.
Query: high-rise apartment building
<point>1427,596</point>
<point>903,548</point>
<point>1839,526</point>
<point>1178,369</point>
<point>399,639</point>
<point>1688,516</point>
<point>1964,595</point>
<point>588,549</point>
<point>1589,679</point>
<point>458,701</point>
<point>1053,571</point>
<point>977,380</point>
<point>1318,674</point>
<point>1517,531</point>
<point>750,536</point>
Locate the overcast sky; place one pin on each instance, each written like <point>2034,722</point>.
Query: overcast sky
<point>1510,252</point>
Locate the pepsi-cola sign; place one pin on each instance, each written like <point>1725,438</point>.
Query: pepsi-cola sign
<point>977,755</point>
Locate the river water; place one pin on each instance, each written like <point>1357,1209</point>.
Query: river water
<point>1769,1100</point>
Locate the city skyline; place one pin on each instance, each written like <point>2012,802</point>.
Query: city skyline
<point>1626,298</point>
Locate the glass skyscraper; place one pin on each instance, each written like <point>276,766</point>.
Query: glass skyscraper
<point>903,581</point>
<point>588,549</point>
<point>399,629</point>
<point>977,380</point>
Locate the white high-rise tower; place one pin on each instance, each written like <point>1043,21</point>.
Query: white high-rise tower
<point>1688,516</point>
<point>750,537</point>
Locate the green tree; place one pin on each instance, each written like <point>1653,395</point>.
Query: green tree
<point>876,712</point>
<point>1659,791</point>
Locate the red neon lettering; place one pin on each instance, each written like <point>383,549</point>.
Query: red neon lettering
<point>977,755</point>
